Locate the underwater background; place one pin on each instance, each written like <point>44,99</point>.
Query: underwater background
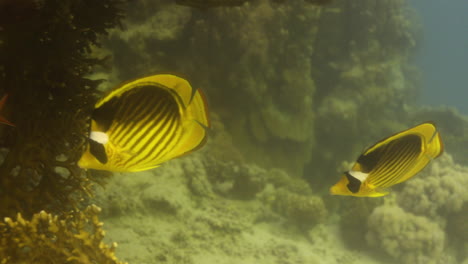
<point>441,55</point>
<point>296,91</point>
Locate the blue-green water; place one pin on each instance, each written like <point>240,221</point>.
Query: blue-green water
<point>443,52</point>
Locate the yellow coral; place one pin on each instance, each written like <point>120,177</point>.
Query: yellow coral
<point>75,237</point>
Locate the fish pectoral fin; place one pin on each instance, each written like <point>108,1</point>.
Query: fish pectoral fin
<point>98,151</point>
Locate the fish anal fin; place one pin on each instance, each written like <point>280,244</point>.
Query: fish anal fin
<point>143,168</point>
<point>378,193</point>
<point>371,190</point>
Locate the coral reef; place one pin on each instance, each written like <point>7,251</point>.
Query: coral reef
<point>304,211</point>
<point>46,238</point>
<point>353,213</point>
<point>404,236</point>
<point>426,218</point>
<point>43,60</point>
<point>438,191</point>
<point>44,57</point>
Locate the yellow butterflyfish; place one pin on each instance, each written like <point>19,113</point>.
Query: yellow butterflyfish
<point>391,161</point>
<point>145,122</point>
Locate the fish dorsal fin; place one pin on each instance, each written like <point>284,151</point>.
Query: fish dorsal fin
<point>178,85</point>
<point>427,131</point>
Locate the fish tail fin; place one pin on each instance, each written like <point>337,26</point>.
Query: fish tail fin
<point>198,109</point>
<point>196,124</point>
<point>435,146</point>
<point>195,112</point>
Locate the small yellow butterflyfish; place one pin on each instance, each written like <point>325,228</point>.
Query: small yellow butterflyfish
<point>391,161</point>
<point>145,122</point>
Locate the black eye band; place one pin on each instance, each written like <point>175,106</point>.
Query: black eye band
<point>354,184</point>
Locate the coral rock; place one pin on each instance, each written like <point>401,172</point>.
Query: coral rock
<point>408,238</point>
<point>73,238</point>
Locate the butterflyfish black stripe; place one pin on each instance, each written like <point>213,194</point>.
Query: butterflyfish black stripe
<point>171,142</point>
<point>395,175</point>
<point>385,165</point>
<point>130,105</point>
<point>408,166</point>
<point>148,112</point>
<point>151,156</point>
<point>139,141</point>
<point>156,95</point>
<point>125,118</point>
<point>386,160</point>
<point>406,160</point>
<point>395,154</point>
<point>142,105</point>
<point>166,137</point>
<point>402,155</point>
<point>146,98</point>
<point>394,160</point>
<point>147,144</point>
<point>151,141</point>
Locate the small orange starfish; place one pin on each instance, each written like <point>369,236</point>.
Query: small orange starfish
<point>2,119</point>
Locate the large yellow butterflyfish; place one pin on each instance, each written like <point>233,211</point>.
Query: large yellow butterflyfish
<point>145,122</point>
<point>390,161</point>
